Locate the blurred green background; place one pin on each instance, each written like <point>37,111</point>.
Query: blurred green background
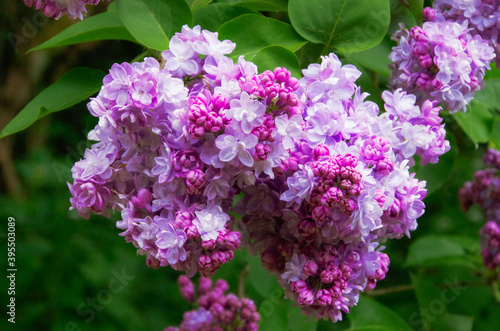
<point>68,268</point>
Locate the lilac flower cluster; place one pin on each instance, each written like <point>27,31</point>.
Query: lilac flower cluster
<point>344,189</point>
<point>490,245</point>
<point>440,61</point>
<point>482,16</point>
<point>217,310</point>
<point>173,186</point>
<point>484,190</point>
<point>58,8</point>
<point>322,177</point>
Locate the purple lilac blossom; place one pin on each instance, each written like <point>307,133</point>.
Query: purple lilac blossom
<point>440,61</point>
<point>323,176</point>
<point>57,8</point>
<point>490,245</point>
<point>342,191</point>
<point>217,310</point>
<point>483,18</point>
<point>484,190</point>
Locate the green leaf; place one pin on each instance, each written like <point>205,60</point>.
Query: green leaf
<point>75,86</point>
<point>495,135</point>
<point>454,322</point>
<point>400,14</point>
<point>493,73</point>
<point>112,7</point>
<point>273,315</point>
<point>375,58</point>
<point>436,175</point>
<point>432,306</point>
<point>309,53</point>
<point>263,5</point>
<point>153,22</point>
<point>277,313</point>
<point>195,4</point>
<point>260,278</point>
<point>417,7</point>
<point>251,33</point>
<point>297,321</point>
<point>442,250</point>
<point>348,26</point>
<point>99,27</point>
<point>477,122</point>
<point>372,315</point>
<point>271,57</point>
<point>213,16</point>
<point>433,303</point>
<point>489,96</point>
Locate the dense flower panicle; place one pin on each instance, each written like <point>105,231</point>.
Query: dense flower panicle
<point>484,190</point>
<point>345,188</point>
<point>322,176</point>
<point>440,61</point>
<point>217,310</point>
<point>492,158</point>
<point>419,130</point>
<point>490,245</point>
<point>483,18</point>
<point>58,8</point>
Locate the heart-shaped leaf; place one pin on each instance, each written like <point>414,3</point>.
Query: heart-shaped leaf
<point>262,5</point>
<point>442,250</point>
<point>369,314</point>
<point>276,56</point>
<point>348,26</point>
<point>213,16</point>
<point>153,22</point>
<point>251,33</point>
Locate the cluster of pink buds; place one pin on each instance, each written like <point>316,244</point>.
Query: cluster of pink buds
<point>484,190</point>
<point>217,310</point>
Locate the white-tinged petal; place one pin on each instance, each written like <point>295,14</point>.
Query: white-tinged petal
<point>245,157</point>
<point>250,141</point>
<point>228,153</point>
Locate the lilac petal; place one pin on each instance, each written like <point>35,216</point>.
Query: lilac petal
<point>245,157</point>
<point>228,153</point>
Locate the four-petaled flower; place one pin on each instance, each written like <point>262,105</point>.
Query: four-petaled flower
<point>210,221</point>
<point>235,145</point>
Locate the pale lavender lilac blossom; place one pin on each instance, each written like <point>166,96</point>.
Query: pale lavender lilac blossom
<point>440,61</point>
<point>324,177</point>
<point>483,18</point>
<point>340,192</point>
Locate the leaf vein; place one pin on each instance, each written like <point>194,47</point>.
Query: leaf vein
<point>327,45</point>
